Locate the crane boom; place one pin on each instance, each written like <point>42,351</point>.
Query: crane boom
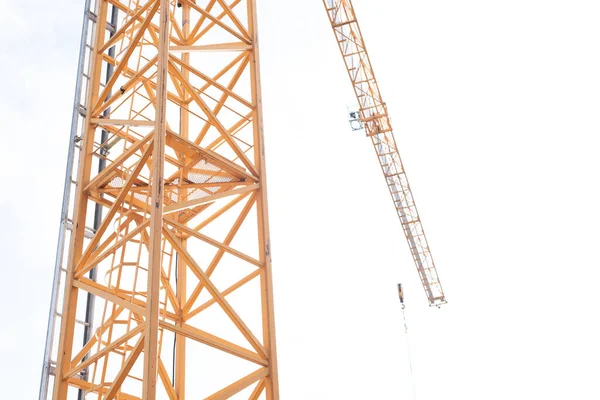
<point>373,116</point>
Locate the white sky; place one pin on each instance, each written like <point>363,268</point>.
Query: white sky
<point>495,106</point>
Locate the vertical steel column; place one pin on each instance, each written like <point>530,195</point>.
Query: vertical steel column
<point>179,357</point>
<point>68,321</point>
<point>264,238</point>
<point>90,302</point>
<point>156,214</point>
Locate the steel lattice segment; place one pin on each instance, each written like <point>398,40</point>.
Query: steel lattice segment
<point>167,275</point>
<point>375,119</point>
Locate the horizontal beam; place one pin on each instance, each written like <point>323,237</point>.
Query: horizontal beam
<point>124,122</point>
<point>212,47</point>
<point>91,388</point>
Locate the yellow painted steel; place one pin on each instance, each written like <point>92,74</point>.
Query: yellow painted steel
<point>181,253</point>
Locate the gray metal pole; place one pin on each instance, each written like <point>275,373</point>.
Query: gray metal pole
<point>65,208</point>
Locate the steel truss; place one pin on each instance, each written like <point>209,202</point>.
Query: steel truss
<point>167,273</point>
<point>376,122</point>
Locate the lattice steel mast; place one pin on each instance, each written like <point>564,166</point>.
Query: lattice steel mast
<point>376,122</point>
<point>167,141</point>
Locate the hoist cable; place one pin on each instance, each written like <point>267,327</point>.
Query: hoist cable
<point>407,341</point>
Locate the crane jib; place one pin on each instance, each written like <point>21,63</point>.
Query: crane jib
<point>373,116</point>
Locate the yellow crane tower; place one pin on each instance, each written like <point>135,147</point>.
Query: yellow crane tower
<point>163,263</point>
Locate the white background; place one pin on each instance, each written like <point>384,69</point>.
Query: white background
<point>495,106</point>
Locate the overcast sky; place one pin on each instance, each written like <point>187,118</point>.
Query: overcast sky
<point>495,107</point>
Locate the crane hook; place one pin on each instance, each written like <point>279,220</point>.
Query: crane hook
<point>401,295</point>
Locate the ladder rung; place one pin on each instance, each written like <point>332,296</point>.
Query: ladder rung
<point>363,81</point>
<point>343,23</point>
<point>77,320</point>
<point>89,232</point>
<point>353,54</point>
<point>395,174</point>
